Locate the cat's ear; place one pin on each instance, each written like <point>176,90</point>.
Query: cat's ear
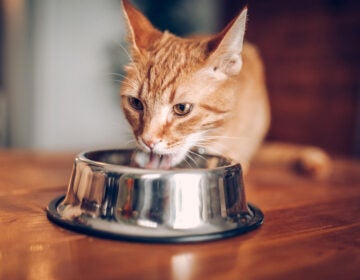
<point>140,30</point>
<point>225,48</point>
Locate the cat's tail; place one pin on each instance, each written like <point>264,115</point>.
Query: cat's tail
<point>308,160</point>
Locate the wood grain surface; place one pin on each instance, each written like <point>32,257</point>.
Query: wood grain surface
<point>311,230</point>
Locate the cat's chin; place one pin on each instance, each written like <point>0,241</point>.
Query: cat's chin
<point>155,161</point>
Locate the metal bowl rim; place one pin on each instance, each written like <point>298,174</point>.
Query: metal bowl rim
<point>136,170</point>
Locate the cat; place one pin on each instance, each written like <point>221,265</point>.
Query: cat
<point>206,93</point>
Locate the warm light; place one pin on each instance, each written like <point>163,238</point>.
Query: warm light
<point>182,266</point>
<point>187,202</point>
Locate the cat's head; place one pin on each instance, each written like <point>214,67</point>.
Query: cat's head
<point>172,95</point>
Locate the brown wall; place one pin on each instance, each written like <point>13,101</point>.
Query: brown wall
<point>311,50</point>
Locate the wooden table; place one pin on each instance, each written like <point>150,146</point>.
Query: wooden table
<point>311,230</point>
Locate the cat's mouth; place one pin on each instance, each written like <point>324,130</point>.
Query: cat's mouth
<point>161,156</point>
<point>153,160</point>
<point>160,161</point>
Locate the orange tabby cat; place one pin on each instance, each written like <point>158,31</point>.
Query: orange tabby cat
<point>206,92</point>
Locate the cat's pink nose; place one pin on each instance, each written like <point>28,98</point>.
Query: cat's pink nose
<point>151,142</point>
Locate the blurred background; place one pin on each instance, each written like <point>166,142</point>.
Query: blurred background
<point>60,63</point>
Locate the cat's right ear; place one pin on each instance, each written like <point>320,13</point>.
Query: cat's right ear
<point>140,31</point>
<point>225,48</point>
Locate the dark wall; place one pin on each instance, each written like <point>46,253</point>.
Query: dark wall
<point>2,42</point>
<point>311,49</point>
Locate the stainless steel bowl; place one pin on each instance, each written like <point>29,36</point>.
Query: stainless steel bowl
<point>107,197</point>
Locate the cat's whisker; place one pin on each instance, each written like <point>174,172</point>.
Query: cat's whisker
<point>124,77</point>
<point>132,86</point>
<point>205,144</point>
<point>126,52</point>
<point>193,160</point>
<point>117,74</point>
<point>208,141</point>
<point>220,147</point>
<point>130,143</point>
<point>187,162</point>
<point>197,154</point>
<point>133,64</point>
<point>207,148</point>
<point>126,81</point>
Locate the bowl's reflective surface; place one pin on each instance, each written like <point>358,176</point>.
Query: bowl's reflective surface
<point>108,197</point>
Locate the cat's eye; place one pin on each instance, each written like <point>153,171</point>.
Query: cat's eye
<point>182,109</point>
<point>135,103</point>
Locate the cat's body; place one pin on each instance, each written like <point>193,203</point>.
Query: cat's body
<point>206,93</point>
<point>249,122</point>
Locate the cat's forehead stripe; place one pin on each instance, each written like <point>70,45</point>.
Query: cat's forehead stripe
<point>172,95</point>
<point>159,81</point>
<point>162,52</point>
<point>168,62</point>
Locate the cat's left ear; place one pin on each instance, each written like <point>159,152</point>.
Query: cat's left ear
<point>141,32</point>
<point>225,48</point>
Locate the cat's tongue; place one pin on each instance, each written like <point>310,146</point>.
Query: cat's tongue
<point>159,161</point>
